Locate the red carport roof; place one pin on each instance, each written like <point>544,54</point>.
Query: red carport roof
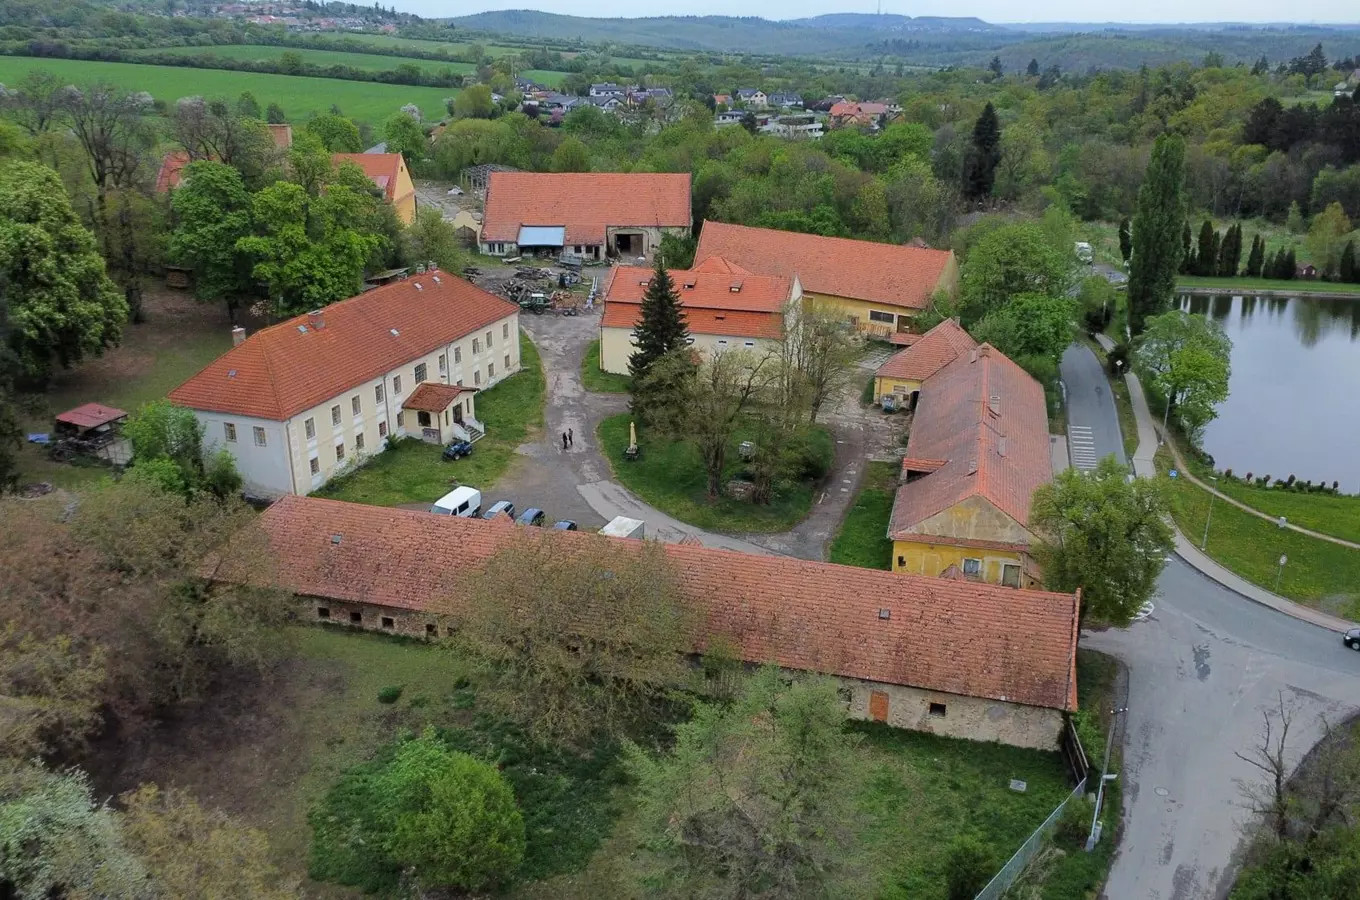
<point>91,415</point>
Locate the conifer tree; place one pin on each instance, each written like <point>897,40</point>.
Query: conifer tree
<point>1205,257</point>
<point>661,327</point>
<point>1215,255</point>
<point>1156,250</point>
<point>1256,259</point>
<point>979,172</point>
<point>1346,272</point>
<point>1125,241</point>
<point>1187,266</point>
<point>1032,70</point>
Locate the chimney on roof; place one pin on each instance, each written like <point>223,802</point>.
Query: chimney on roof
<point>417,284</point>
<point>238,336</point>
<point>317,319</point>
<point>736,287</point>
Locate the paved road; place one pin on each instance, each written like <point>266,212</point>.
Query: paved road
<point>1092,422</point>
<point>1202,669</point>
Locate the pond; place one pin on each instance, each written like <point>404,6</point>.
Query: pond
<point>1294,401</point>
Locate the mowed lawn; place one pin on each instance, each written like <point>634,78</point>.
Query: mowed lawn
<point>367,62</point>
<point>414,472</point>
<point>387,40</point>
<point>268,752</point>
<point>1338,516</point>
<point>595,379</point>
<point>545,77</point>
<point>299,96</point>
<point>862,540</point>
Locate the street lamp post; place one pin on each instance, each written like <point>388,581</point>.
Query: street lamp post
<point>1094,837</point>
<point>1283,559</point>
<point>1161,438</point>
<point>1209,518</point>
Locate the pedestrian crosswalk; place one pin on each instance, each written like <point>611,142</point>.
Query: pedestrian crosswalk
<point>1082,446</point>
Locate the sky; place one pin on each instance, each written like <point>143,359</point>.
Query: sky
<point>999,11</point>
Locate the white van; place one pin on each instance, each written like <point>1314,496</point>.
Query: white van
<point>463,501</point>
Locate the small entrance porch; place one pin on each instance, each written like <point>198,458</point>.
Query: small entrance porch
<point>444,412</point>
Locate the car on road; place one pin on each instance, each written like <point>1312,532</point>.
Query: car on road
<point>532,516</point>
<point>1352,639</point>
<point>457,450</point>
<point>564,525</point>
<point>464,502</point>
<point>500,506</point>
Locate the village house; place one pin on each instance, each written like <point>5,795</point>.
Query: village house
<point>978,451</point>
<point>609,89</point>
<point>726,307</point>
<point>786,100</point>
<point>804,127</point>
<point>583,215</point>
<point>880,288</point>
<point>852,114</point>
<point>297,402</point>
<point>925,354</point>
<point>389,174</point>
<point>753,98</point>
<point>949,656</point>
<point>722,99</point>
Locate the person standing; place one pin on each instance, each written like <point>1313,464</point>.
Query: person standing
<point>564,440</point>
<point>571,438</point>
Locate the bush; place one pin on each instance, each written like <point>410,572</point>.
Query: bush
<point>390,694</point>
<point>815,453</point>
<point>968,868</point>
<point>1118,358</point>
<point>1074,826</point>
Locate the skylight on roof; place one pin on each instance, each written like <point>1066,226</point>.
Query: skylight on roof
<point>395,333</point>
<point>302,328</point>
<point>231,374</point>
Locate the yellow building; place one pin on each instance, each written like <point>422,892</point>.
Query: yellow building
<point>879,287</point>
<point>389,174</point>
<point>903,374</point>
<point>978,450</point>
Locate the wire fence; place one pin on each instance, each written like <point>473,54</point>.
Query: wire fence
<point>1002,881</point>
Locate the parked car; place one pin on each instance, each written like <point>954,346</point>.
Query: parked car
<point>457,450</point>
<point>564,525</point>
<point>532,516</point>
<point>1352,639</point>
<point>464,501</point>
<point>500,506</point>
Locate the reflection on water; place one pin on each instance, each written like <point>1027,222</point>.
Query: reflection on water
<point>1294,402</point>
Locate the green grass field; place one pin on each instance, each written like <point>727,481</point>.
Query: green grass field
<point>862,540</point>
<point>545,77</point>
<point>414,471</point>
<point>368,62</point>
<point>387,40</point>
<point>670,476</point>
<point>1338,516</point>
<point>602,382</point>
<point>299,96</point>
<point>1247,285</point>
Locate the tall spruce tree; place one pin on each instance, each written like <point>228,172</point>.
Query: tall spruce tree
<point>1234,260</point>
<point>1290,267</point>
<point>1125,241</point>
<point>1187,266</point>
<point>1215,255</point>
<point>979,171</point>
<point>1156,245</point>
<point>1032,70</point>
<point>1205,256</point>
<point>1346,272</point>
<point>661,327</point>
<point>1256,259</point>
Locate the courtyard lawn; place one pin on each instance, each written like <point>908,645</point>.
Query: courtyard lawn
<point>670,476</point>
<point>1318,573</point>
<point>862,539</point>
<point>596,380</point>
<point>299,96</point>
<point>413,472</point>
<point>367,62</point>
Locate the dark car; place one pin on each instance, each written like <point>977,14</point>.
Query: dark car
<point>564,525</point>
<point>457,450</point>
<point>1352,639</point>
<point>531,516</point>
<point>500,506</point>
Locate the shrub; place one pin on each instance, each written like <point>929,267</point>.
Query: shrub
<point>1073,827</point>
<point>390,694</point>
<point>1118,354</point>
<point>867,395</point>
<point>815,453</point>
<point>968,868</point>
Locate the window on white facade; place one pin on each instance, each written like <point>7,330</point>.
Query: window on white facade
<point>230,430</point>
<point>477,377</point>
<point>355,407</point>
<point>401,420</point>
<point>476,345</point>
<point>748,343</point>
<point>339,451</point>
<point>315,465</point>
<point>457,354</point>
<point>382,429</point>
<point>490,371</point>
<point>420,373</point>
<point>443,363</point>
<point>488,340</point>
<point>507,362</point>
<point>260,439</point>
<point>505,331</point>
<point>876,316</point>
<point>938,710</point>
<point>972,566</point>
<point>396,384</point>
<point>722,343</point>
<point>358,442</point>
<point>335,414</point>
<point>309,428</point>
<point>378,393</point>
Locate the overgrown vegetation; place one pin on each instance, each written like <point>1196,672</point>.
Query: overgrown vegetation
<point>863,537</point>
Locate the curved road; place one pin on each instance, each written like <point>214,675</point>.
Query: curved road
<point>1202,669</point>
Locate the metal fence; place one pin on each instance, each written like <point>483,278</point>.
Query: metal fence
<point>1001,882</point>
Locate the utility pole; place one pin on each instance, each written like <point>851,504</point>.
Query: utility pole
<point>1209,518</point>
<point>1094,837</point>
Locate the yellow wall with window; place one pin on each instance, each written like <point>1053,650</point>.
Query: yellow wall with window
<point>920,558</point>
<point>890,385</point>
<point>404,195</point>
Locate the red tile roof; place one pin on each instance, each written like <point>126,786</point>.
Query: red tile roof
<point>172,167</point>
<point>710,304</point>
<point>282,135</point>
<point>381,168</point>
<point>987,417</point>
<point>838,267</point>
<point>585,203</point>
<point>963,638</point>
<point>930,353</point>
<point>433,396</point>
<point>284,369</point>
<point>903,338</point>
<point>91,415</point>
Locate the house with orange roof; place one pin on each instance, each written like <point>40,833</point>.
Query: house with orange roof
<point>297,402</point>
<point>725,306</point>
<point>389,174</point>
<point>880,288</point>
<point>951,656</point>
<point>584,215</point>
<point>925,354</point>
<point>978,451</point>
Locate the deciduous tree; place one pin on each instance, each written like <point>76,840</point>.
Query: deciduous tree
<point>212,130</point>
<point>1156,248</point>
<point>1327,238</point>
<point>1105,534</point>
<point>1030,325</point>
<point>473,103</point>
<point>212,214</point>
<point>35,102</point>
<point>755,797</point>
<point>1008,260</point>
<point>1187,359</point>
<point>405,136</point>
<point>571,156</point>
<point>336,133</point>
